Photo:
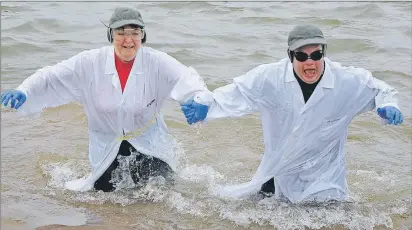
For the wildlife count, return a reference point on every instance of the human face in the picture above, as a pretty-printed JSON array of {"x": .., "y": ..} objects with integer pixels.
[
  {"x": 309, "y": 70},
  {"x": 127, "y": 41}
]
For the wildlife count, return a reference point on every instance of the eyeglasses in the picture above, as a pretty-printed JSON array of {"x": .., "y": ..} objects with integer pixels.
[
  {"x": 135, "y": 34},
  {"x": 302, "y": 57}
]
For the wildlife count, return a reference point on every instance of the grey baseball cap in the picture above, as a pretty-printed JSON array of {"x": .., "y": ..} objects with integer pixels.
[
  {"x": 125, "y": 16},
  {"x": 303, "y": 35}
]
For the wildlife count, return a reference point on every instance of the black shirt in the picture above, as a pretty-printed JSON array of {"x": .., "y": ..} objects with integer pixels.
[{"x": 307, "y": 89}]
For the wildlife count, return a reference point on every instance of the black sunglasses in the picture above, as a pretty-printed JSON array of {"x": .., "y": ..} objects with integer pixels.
[{"x": 301, "y": 56}]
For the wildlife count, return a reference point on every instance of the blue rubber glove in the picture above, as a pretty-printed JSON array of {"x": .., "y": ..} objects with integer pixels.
[
  {"x": 391, "y": 114},
  {"x": 194, "y": 111},
  {"x": 13, "y": 95}
]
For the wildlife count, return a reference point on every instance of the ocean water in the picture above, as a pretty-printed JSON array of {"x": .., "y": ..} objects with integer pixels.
[{"x": 221, "y": 40}]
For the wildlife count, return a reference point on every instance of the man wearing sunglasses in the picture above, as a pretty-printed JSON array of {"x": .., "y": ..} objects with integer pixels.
[{"x": 306, "y": 103}]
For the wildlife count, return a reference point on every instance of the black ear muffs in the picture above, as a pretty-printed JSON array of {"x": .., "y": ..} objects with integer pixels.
[
  {"x": 110, "y": 35},
  {"x": 144, "y": 35},
  {"x": 290, "y": 55},
  {"x": 324, "y": 50}
]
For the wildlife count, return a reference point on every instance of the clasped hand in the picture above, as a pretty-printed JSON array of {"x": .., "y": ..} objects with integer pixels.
[{"x": 194, "y": 111}]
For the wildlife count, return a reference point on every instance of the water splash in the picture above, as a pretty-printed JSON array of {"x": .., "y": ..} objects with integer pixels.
[
  {"x": 155, "y": 190},
  {"x": 127, "y": 191},
  {"x": 203, "y": 173},
  {"x": 122, "y": 175},
  {"x": 358, "y": 213},
  {"x": 190, "y": 195}
]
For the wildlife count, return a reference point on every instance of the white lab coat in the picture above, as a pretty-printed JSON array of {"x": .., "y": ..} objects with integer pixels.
[
  {"x": 304, "y": 143},
  {"x": 90, "y": 78}
]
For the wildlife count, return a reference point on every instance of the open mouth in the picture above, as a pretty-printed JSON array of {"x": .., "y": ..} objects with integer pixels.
[
  {"x": 128, "y": 47},
  {"x": 309, "y": 71}
]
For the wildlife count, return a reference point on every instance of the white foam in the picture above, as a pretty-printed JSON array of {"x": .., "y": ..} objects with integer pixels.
[
  {"x": 186, "y": 205},
  {"x": 60, "y": 172},
  {"x": 359, "y": 214},
  {"x": 202, "y": 173}
]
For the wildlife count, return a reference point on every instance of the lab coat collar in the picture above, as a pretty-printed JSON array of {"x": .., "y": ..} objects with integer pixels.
[
  {"x": 327, "y": 81},
  {"x": 290, "y": 77}
]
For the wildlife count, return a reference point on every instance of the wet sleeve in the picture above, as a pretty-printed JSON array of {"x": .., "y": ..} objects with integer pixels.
[
  {"x": 52, "y": 86},
  {"x": 241, "y": 97},
  {"x": 182, "y": 82},
  {"x": 385, "y": 95}
]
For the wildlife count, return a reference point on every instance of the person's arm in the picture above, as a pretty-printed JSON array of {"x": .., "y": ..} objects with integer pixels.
[
  {"x": 385, "y": 99},
  {"x": 239, "y": 98},
  {"x": 52, "y": 86},
  {"x": 183, "y": 82}
]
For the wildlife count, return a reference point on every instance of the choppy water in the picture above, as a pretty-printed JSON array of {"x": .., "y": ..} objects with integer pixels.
[{"x": 221, "y": 40}]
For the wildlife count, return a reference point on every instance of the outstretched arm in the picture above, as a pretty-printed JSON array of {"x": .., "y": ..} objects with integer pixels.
[
  {"x": 50, "y": 86},
  {"x": 385, "y": 100},
  {"x": 183, "y": 82},
  {"x": 234, "y": 100}
]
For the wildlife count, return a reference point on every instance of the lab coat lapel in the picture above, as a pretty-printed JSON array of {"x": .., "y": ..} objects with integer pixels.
[
  {"x": 290, "y": 79},
  {"x": 110, "y": 70},
  {"x": 328, "y": 81}
]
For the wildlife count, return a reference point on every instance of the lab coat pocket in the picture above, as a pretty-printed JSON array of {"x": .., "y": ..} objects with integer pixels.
[
  {"x": 146, "y": 113},
  {"x": 150, "y": 110},
  {"x": 331, "y": 128}
]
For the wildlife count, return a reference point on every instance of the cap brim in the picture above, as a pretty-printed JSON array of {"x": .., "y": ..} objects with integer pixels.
[
  {"x": 298, "y": 44},
  {"x": 126, "y": 22}
]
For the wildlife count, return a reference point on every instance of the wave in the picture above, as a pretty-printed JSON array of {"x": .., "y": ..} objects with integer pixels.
[
  {"x": 350, "y": 45},
  {"x": 15, "y": 8},
  {"x": 326, "y": 21},
  {"x": 362, "y": 10},
  {"x": 170, "y": 46},
  {"x": 11, "y": 47},
  {"x": 184, "y": 53},
  {"x": 179, "y": 6},
  {"x": 259, "y": 20},
  {"x": 43, "y": 25},
  {"x": 392, "y": 73}
]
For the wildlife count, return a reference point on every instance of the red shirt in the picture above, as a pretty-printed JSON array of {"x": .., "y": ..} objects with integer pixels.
[{"x": 123, "y": 70}]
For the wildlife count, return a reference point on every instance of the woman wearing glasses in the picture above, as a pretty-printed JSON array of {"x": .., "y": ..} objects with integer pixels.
[
  {"x": 306, "y": 102},
  {"x": 122, "y": 88}
]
